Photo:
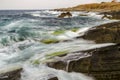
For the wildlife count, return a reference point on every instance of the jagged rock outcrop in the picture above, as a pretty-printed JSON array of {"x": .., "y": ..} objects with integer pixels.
[
  {"x": 13, "y": 74},
  {"x": 63, "y": 15},
  {"x": 106, "y": 33},
  {"x": 112, "y": 14},
  {"x": 103, "y": 64}
]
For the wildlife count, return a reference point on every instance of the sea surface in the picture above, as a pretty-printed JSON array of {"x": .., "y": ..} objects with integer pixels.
[{"x": 22, "y": 33}]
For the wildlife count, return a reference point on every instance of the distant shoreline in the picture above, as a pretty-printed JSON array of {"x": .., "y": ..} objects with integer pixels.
[
  {"x": 106, "y": 8},
  {"x": 94, "y": 7}
]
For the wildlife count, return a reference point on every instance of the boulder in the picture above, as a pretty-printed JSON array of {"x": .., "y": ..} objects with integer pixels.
[
  {"x": 13, "y": 73},
  {"x": 63, "y": 15},
  {"x": 106, "y": 33},
  {"x": 103, "y": 64}
]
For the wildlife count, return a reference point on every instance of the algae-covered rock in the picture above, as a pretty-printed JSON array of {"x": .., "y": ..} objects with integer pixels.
[
  {"x": 49, "y": 41},
  {"x": 59, "y": 53},
  {"x": 74, "y": 29},
  {"x": 106, "y": 33},
  {"x": 35, "y": 62},
  {"x": 58, "y": 32},
  {"x": 49, "y": 57}
]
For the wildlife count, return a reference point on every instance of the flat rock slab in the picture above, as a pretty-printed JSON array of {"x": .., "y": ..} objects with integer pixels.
[{"x": 103, "y": 64}]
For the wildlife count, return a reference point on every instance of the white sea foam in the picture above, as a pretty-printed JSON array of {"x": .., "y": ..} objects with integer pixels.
[
  {"x": 94, "y": 14},
  {"x": 36, "y": 15},
  {"x": 67, "y": 35},
  {"x": 44, "y": 73}
]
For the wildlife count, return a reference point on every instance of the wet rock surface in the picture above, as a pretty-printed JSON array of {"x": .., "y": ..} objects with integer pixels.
[
  {"x": 103, "y": 64},
  {"x": 11, "y": 75},
  {"x": 54, "y": 78},
  {"x": 63, "y": 15},
  {"x": 107, "y": 33},
  {"x": 113, "y": 14}
]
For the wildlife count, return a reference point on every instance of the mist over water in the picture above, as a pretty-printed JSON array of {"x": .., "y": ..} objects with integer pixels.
[{"x": 21, "y": 33}]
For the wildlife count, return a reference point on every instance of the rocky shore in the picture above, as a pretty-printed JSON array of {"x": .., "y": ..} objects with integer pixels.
[
  {"x": 106, "y": 33},
  {"x": 102, "y": 63}
]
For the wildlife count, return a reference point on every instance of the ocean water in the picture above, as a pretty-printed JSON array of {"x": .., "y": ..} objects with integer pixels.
[{"x": 21, "y": 32}]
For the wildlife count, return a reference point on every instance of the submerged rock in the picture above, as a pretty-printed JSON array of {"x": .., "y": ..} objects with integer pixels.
[
  {"x": 106, "y": 33},
  {"x": 12, "y": 74},
  {"x": 103, "y": 64}
]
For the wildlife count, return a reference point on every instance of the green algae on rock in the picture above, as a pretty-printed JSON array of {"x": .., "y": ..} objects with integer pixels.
[
  {"x": 58, "y": 32},
  {"x": 49, "y": 41},
  {"x": 49, "y": 57},
  {"x": 59, "y": 53},
  {"x": 35, "y": 62},
  {"x": 74, "y": 29}
]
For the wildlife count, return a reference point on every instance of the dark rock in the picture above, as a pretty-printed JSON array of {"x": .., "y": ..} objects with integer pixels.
[
  {"x": 11, "y": 75},
  {"x": 54, "y": 78},
  {"x": 58, "y": 65},
  {"x": 107, "y": 33},
  {"x": 107, "y": 16},
  {"x": 113, "y": 14},
  {"x": 103, "y": 64},
  {"x": 67, "y": 14}
]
